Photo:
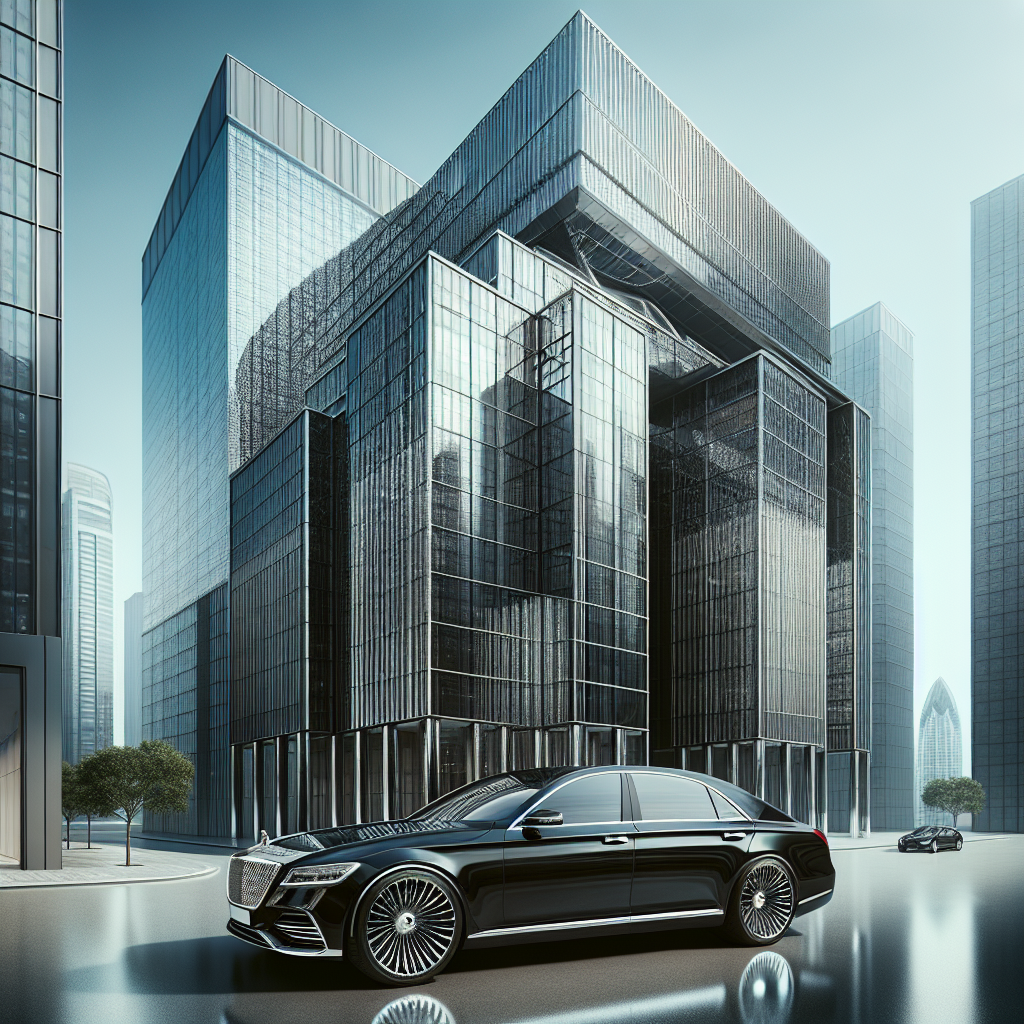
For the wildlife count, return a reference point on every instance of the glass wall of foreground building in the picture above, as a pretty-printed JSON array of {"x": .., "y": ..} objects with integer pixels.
[
  {"x": 997, "y": 523},
  {"x": 88, "y": 565},
  {"x": 31, "y": 290},
  {"x": 939, "y": 749},
  {"x": 266, "y": 193},
  {"x": 873, "y": 362},
  {"x": 133, "y": 670},
  {"x": 496, "y": 556}
]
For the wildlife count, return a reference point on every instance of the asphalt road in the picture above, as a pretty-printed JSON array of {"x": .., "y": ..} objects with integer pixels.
[{"x": 906, "y": 938}]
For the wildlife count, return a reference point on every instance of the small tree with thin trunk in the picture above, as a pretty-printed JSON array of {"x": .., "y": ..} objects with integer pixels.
[
  {"x": 70, "y": 795},
  {"x": 124, "y": 780},
  {"x": 954, "y": 796}
]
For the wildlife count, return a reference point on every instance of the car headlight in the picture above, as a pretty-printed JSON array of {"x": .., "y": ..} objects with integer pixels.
[{"x": 318, "y": 874}]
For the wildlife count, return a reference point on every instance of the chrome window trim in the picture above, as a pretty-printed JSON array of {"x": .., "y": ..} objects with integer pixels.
[
  {"x": 711, "y": 789},
  {"x": 611, "y": 770},
  {"x": 597, "y": 922}
]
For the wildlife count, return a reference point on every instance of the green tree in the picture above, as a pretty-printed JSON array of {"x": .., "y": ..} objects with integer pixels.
[
  {"x": 954, "y": 796},
  {"x": 124, "y": 780},
  {"x": 71, "y": 796}
]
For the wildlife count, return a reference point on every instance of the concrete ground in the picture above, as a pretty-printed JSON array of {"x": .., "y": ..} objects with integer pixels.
[
  {"x": 104, "y": 864},
  {"x": 906, "y": 938}
]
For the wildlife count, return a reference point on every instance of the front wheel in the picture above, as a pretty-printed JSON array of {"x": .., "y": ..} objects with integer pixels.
[
  {"x": 407, "y": 928},
  {"x": 959, "y": 843},
  {"x": 935, "y": 846},
  {"x": 762, "y": 903}
]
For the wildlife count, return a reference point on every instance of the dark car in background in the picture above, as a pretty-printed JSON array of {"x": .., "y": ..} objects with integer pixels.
[
  {"x": 931, "y": 838},
  {"x": 532, "y": 855}
]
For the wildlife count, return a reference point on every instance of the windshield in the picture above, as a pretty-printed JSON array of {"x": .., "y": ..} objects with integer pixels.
[
  {"x": 494, "y": 799},
  {"x": 926, "y": 831}
]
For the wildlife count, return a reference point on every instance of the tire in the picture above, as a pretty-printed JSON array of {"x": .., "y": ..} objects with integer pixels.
[
  {"x": 406, "y": 928},
  {"x": 959, "y": 843},
  {"x": 762, "y": 903},
  {"x": 934, "y": 848}
]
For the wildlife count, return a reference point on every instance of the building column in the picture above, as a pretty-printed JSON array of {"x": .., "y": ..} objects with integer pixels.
[
  {"x": 854, "y": 793},
  {"x": 787, "y": 777}
]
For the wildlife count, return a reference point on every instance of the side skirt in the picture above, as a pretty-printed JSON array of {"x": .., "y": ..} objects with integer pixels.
[{"x": 596, "y": 928}]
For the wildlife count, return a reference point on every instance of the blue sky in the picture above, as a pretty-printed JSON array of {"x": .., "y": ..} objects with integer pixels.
[{"x": 871, "y": 126}]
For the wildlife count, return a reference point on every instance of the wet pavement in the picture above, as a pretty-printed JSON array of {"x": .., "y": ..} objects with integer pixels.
[{"x": 907, "y": 938}]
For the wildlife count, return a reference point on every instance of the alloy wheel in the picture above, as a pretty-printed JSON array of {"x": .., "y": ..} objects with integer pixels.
[
  {"x": 959, "y": 843},
  {"x": 935, "y": 846},
  {"x": 410, "y": 926},
  {"x": 766, "y": 901}
]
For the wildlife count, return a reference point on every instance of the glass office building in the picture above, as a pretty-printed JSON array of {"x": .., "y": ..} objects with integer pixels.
[
  {"x": 544, "y": 468},
  {"x": 939, "y": 749},
  {"x": 266, "y": 192},
  {"x": 87, "y": 550},
  {"x": 31, "y": 223},
  {"x": 997, "y": 500},
  {"x": 133, "y": 670},
  {"x": 873, "y": 362}
]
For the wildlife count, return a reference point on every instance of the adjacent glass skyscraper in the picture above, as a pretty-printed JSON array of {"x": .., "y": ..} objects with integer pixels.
[
  {"x": 133, "y": 670},
  {"x": 939, "y": 749},
  {"x": 265, "y": 194},
  {"x": 873, "y": 362},
  {"x": 31, "y": 222},
  {"x": 997, "y": 505},
  {"x": 544, "y": 467},
  {"x": 88, "y": 607}
]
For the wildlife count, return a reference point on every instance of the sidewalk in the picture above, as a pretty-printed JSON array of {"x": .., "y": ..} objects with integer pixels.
[
  {"x": 882, "y": 840},
  {"x": 104, "y": 865}
]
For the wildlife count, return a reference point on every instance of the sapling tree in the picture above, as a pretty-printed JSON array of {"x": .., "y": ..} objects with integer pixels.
[{"x": 124, "y": 780}]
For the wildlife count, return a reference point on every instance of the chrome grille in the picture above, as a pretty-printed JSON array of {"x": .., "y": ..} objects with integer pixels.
[
  {"x": 299, "y": 929},
  {"x": 249, "y": 880}
]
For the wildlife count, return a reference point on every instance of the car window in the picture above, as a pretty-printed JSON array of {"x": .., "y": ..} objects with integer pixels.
[
  {"x": 594, "y": 798},
  {"x": 727, "y": 811},
  {"x": 667, "y": 797}
]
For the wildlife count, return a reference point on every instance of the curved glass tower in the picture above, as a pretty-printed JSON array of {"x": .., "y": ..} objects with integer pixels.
[{"x": 939, "y": 748}]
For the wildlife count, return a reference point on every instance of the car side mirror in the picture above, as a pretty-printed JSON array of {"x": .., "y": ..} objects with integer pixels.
[{"x": 543, "y": 817}]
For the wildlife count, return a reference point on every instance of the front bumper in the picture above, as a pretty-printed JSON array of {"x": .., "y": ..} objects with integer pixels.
[{"x": 295, "y": 932}]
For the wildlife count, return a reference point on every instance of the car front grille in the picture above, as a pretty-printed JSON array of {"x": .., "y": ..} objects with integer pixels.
[
  {"x": 298, "y": 930},
  {"x": 249, "y": 880}
]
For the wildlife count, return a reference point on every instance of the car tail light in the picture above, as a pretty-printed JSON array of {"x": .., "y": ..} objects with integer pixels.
[{"x": 821, "y": 835}]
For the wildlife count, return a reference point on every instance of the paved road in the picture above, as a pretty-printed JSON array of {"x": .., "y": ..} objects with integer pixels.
[{"x": 907, "y": 938}]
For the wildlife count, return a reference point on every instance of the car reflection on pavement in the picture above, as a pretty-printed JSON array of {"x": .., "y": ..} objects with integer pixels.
[{"x": 766, "y": 993}]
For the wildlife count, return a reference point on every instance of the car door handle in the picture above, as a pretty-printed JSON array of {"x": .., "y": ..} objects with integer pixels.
[
  {"x": 734, "y": 835},
  {"x": 615, "y": 840}
]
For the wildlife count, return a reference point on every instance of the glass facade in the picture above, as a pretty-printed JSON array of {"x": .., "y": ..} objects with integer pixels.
[
  {"x": 997, "y": 524},
  {"x": 266, "y": 193},
  {"x": 873, "y": 362},
  {"x": 87, "y": 560},
  {"x": 133, "y": 670},
  {"x": 31, "y": 289},
  {"x": 576, "y": 482},
  {"x": 939, "y": 750}
]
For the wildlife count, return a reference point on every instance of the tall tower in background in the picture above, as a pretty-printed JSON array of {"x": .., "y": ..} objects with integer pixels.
[
  {"x": 997, "y": 525},
  {"x": 88, "y": 562},
  {"x": 266, "y": 193},
  {"x": 873, "y": 362},
  {"x": 939, "y": 749},
  {"x": 31, "y": 221},
  {"x": 133, "y": 670}
]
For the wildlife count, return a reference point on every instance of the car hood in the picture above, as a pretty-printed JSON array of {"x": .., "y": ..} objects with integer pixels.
[{"x": 374, "y": 832}]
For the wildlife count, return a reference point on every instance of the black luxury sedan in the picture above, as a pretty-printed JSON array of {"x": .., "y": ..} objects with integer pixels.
[
  {"x": 532, "y": 855},
  {"x": 931, "y": 838}
]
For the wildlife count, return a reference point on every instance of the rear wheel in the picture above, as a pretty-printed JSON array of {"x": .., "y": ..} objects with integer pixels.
[
  {"x": 407, "y": 928},
  {"x": 959, "y": 842},
  {"x": 762, "y": 903}
]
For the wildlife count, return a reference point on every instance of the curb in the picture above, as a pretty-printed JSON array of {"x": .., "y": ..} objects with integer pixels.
[{"x": 205, "y": 870}]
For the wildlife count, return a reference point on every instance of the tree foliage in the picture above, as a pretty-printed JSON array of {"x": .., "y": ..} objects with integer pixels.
[
  {"x": 124, "y": 780},
  {"x": 954, "y": 796}
]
